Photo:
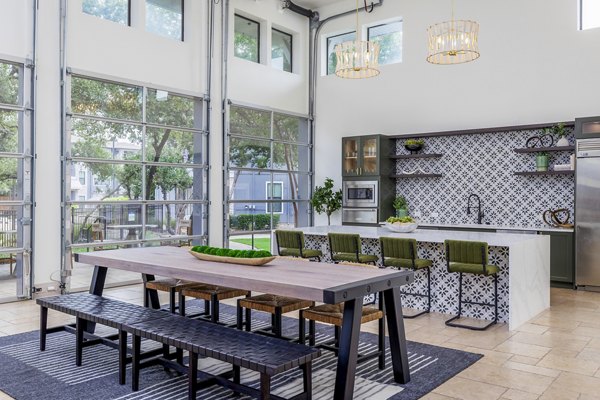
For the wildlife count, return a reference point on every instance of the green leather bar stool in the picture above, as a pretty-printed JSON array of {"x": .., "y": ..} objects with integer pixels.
[
  {"x": 291, "y": 244},
  {"x": 346, "y": 247},
  {"x": 466, "y": 257},
  {"x": 402, "y": 253}
]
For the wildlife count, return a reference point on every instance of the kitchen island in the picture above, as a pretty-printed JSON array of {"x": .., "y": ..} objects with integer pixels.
[{"x": 523, "y": 281}]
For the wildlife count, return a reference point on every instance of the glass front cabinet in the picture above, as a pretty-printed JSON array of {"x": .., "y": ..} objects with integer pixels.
[{"x": 361, "y": 156}]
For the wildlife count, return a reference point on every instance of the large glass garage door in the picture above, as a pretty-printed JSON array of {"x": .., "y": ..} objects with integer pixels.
[
  {"x": 15, "y": 181},
  {"x": 135, "y": 172}
]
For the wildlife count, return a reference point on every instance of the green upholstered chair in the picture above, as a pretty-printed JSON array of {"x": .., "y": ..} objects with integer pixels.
[
  {"x": 466, "y": 257},
  {"x": 291, "y": 244},
  {"x": 346, "y": 247},
  {"x": 402, "y": 253}
]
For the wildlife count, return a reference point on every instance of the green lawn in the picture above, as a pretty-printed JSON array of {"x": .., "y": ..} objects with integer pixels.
[{"x": 259, "y": 243}]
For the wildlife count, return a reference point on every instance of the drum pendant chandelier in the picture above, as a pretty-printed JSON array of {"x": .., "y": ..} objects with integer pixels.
[
  {"x": 453, "y": 42},
  {"x": 357, "y": 59}
]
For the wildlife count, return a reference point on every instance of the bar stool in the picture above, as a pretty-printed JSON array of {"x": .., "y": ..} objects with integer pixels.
[
  {"x": 272, "y": 304},
  {"x": 291, "y": 244},
  {"x": 172, "y": 286},
  {"x": 466, "y": 257},
  {"x": 402, "y": 253},
  {"x": 333, "y": 314},
  {"x": 347, "y": 247},
  {"x": 211, "y": 294}
]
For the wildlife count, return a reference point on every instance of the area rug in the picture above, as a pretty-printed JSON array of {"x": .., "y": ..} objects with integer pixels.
[{"x": 27, "y": 373}]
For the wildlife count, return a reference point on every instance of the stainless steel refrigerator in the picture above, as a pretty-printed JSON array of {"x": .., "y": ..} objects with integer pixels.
[{"x": 587, "y": 203}]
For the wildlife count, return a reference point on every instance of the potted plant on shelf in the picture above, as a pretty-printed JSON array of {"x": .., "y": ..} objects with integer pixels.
[
  {"x": 541, "y": 161},
  {"x": 414, "y": 145},
  {"x": 325, "y": 200},
  {"x": 561, "y": 133},
  {"x": 401, "y": 206}
]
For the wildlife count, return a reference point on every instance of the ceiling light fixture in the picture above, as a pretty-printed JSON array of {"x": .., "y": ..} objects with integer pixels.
[
  {"x": 453, "y": 42},
  {"x": 357, "y": 59}
]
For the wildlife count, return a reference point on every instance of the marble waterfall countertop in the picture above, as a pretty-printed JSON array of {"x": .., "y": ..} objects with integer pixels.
[
  {"x": 428, "y": 235},
  {"x": 498, "y": 227}
]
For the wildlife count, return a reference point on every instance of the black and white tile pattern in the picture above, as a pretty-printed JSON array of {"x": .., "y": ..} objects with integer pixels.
[
  {"x": 444, "y": 285},
  {"x": 484, "y": 164}
]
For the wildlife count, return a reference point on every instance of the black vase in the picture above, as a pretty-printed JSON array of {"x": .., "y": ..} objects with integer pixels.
[{"x": 413, "y": 148}]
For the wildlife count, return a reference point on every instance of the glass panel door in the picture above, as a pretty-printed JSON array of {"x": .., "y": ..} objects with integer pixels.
[
  {"x": 350, "y": 157},
  {"x": 369, "y": 155}
]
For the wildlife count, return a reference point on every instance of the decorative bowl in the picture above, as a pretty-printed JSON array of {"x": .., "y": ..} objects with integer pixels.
[
  {"x": 400, "y": 227},
  {"x": 413, "y": 148},
  {"x": 257, "y": 262}
]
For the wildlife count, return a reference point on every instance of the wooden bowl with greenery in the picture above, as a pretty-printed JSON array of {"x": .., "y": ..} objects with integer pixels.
[{"x": 244, "y": 257}]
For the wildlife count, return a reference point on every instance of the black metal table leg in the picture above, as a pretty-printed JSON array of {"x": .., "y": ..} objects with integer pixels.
[
  {"x": 122, "y": 356},
  {"x": 151, "y": 294},
  {"x": 393, "y": 308},
  {"x": 348, "y": 351},
  {"x": 97, "y": 288}
]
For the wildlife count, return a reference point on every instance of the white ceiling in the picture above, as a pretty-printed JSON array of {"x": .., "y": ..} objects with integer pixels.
[{"x": 314, "y": 3}]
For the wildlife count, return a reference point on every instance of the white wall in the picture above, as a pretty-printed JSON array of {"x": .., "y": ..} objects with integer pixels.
[{"x": 535, "y": 67}]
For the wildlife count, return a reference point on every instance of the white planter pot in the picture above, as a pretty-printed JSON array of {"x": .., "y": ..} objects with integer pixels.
[{"x": 562, "y": 142}]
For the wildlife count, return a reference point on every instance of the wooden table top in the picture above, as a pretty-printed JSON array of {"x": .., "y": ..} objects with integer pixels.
[{"x": 323, "y": 282}]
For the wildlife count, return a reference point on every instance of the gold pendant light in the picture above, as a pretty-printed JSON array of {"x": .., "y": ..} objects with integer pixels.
[
  {"x": 357, "y": 59},
  {"x": 453, "y": 42}
]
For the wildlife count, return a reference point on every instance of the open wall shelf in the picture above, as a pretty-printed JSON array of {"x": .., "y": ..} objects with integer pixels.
[
  {"x": 409, "y": 156},
  {"x": 541, "y": 149},
  {"x": 536, "y": 173},
  {"x": 402, "y": 176}
]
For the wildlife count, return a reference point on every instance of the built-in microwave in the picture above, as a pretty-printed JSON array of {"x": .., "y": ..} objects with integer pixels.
[{"x": 360, "y": 193}]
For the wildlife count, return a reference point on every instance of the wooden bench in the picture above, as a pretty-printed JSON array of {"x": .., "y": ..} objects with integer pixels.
[
  {"x": 267, "y": 355},
  {"x": 89, "y": 309}
]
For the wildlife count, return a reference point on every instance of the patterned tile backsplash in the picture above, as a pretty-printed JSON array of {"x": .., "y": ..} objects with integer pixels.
[{"x": 484, "y": 164}]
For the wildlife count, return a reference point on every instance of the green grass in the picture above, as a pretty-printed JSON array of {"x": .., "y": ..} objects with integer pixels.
[{"x": 259, "y": 243}]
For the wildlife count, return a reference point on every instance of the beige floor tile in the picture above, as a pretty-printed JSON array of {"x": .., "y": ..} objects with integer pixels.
[
  {"x": 593, "y": 332},
  {"x": 553, "y": 339},
  {"x": 533, "y": 328},
  {"x": 552, "y": 373},
  {"x": 435, "y": 396},
  {"x": 506, "y": 377},
  {"x": 525, "y": 359},
  {"x": 579, "y": 366},
  {"x": 4, "y": 396},
  {"x": 512, "y": 394},
  {"x": 583, "y": 384},
  {"x": 490, "y": 356},
  {"x": 467, "y": 389},
  {"x": 589, "y": 353},
  {"x": 523, "y": 349},
  {"x": 483, "y": 340},
  {"x": 559, "y": 393}
]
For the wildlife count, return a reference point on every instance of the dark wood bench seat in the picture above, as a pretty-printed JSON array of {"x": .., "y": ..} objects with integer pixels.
[{"x": 267, "y": 355}]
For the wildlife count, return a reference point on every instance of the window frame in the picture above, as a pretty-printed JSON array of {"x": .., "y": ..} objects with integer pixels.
[
  {"x": 580, "y": 19},
  {"x": 291, "y": 36},
  {"x": 182, "y": 37},
  {"x": 388, "y": 22},
  {"x": 269, "y": 205},
  {"x": 110, "y": 20},
  {"x": 258, "y": 44},
  {"x": 327, "y": 40}
]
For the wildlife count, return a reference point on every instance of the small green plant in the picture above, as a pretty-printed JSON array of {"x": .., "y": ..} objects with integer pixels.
[
  {"x": 414, "y": 142},
  {"x": 559, "y": 130},
  {"x": 400, "y": 203},
  {"x": 217, "y": 251},
  {"x": 325, "y": 200},
  {"x": 402, "y": 220}
]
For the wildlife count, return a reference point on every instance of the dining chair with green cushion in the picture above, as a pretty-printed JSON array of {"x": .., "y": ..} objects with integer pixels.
[
  {"x": 468, "y": 257},
  {"x": 347, "y": 247},
  {"x": 402, "y": 253},
  {"x": 291, "y": 244}
]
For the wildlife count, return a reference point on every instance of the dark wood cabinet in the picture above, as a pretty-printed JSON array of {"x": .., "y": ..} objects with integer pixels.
[
  {"x": 362, "y": 156},
  {"x": 562, "y": 257}
]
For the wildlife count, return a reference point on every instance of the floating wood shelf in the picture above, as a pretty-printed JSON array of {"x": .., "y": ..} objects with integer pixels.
[
  {"x": 401, "y": 176},
  {"x": 408, "y": 156},
  {"x": 535, "y": 173},
  {"x": 541, "y": 149}
]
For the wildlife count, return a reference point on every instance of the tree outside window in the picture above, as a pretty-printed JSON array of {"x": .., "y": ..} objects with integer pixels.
[
  {"x": 111, "y": 10},
  {"x": 389, "y": 37},
  {"x": 333, "y": 41},
  {"x": 246, "y": 42}
]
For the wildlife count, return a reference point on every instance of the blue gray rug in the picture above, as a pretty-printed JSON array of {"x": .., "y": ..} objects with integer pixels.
[{"x": 27, "y": 373}]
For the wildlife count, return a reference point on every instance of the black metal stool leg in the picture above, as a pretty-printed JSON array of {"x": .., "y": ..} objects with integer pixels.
[
  {"x": 43, "y": 327},
  {"x": 277, "y": 326},
  {"x": 192, "y": 376},
  {"x": 381, "y": 332},
  {"x": 240, "y": 316},
  {"x": 301, "y": 328},
  {"x": 122, "y": 356},
  {"x": 172, "y": 293},
  {"x": 311, "y": 332},
  {"x": 265, "y": 386},
  {"x": 214, "y": 308},
  {"x": 248, "y": 319},
  {"x": 181, "y": 304},
  {"x": 135, "y": 363},
  {"x": 307, "y": 379},
  {"x": 79, "y": 328}
]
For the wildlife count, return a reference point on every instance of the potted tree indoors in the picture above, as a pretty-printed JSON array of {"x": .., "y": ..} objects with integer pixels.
[
  {"x": 401, "y": 206},
  {"x": 325, "y": 200}
]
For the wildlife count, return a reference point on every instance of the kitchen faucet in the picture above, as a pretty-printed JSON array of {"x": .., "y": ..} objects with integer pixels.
[{"x": 479, "y": 212}]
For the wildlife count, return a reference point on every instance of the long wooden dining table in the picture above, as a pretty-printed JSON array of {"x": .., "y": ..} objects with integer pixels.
[{"x": 316, "y": 281}]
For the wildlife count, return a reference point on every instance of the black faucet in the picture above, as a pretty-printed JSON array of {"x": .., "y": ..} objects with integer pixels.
[{"x": 479, "y": 212}]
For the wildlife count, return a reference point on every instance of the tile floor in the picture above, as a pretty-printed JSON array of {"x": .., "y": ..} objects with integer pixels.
[{"x": 555, "y": 356}]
